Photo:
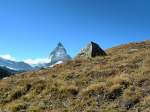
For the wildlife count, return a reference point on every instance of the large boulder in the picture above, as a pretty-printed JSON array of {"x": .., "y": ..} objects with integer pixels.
[{"x": 92, "y": 50}]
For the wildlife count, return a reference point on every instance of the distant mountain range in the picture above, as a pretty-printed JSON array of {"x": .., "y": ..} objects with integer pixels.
[
  {"x": 13, "y": 65},
  {"x": 57, "y": 56},
  {"x": 8, "y": 67},
  {"x": 6, "y": 72}
]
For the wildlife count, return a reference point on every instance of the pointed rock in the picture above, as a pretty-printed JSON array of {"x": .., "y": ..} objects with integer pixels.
[
  {"x": 59, "y": 54},
  {"x": 92, "y": 50}
]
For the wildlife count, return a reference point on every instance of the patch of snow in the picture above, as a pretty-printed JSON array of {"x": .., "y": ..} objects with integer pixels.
[
  {"x": 57, "y": 63},
  {"x": 11, "y": 68},
  {"x": 5, "y": 78}
]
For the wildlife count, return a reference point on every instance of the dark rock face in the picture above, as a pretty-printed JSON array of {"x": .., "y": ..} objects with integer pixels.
[
  {"x": 92, "y": 50},
  {"x": 5, "y": 72}
]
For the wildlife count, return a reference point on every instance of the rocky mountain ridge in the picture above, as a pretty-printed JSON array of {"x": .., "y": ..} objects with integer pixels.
[{"x": 17, "y": 66}]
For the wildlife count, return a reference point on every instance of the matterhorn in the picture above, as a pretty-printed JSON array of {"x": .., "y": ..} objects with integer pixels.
[{"x": 59, "y": 55}]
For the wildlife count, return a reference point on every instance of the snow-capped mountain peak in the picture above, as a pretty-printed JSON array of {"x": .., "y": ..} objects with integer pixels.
[{"x": 59, "y": 54}]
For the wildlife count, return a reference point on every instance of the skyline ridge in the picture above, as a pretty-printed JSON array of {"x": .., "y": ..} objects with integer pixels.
[
  {"x": 41, "y": 60},
  {"x": 29, "y": 26}
]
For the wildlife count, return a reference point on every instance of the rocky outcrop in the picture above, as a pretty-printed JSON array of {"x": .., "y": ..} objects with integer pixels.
[{"x": 92, "y": 50}]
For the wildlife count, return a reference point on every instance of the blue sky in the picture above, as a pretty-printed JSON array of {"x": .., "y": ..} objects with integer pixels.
[{"x": 31, "y": 29}]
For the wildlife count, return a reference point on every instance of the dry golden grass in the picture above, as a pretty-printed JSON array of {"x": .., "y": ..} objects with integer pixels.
[{"x": 119, "y": 82}]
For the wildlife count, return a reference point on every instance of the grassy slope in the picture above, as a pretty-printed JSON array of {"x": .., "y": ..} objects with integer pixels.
[{"x": 119, "y": 82}]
